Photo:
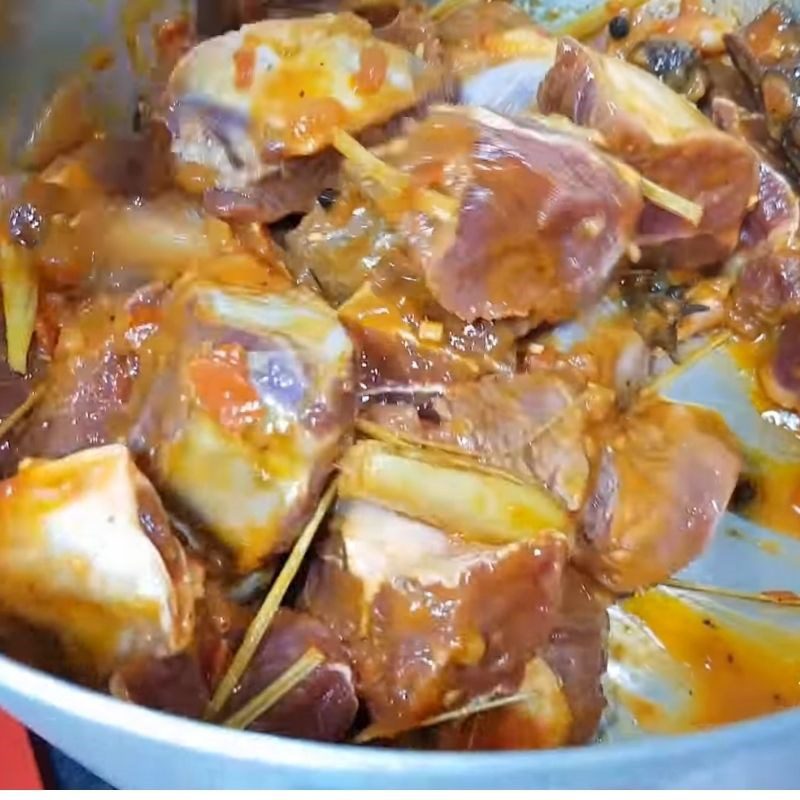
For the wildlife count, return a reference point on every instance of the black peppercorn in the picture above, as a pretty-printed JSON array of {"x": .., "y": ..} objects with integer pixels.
[
  {"x": 619, "y": 27},
  {"x": 327, "y": 197}
]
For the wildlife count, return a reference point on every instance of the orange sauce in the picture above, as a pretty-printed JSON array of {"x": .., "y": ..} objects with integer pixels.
[
  {"x": 735, "y": 674},
  {"x": 777, "y": 501},
  {"x": 750, "y": 356},
  {"x": 223, "y": 389}
]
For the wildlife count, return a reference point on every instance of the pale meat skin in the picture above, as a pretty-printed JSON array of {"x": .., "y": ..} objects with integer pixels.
[
  {"x": 87, "y": 552},
  {"x": 239, "y": 103},
  {"x": 248, "y": 413},
  {"x": 662, "y": 481},
  {"x": 667, "y": 140},
  {"x": 422, "y": 613}
]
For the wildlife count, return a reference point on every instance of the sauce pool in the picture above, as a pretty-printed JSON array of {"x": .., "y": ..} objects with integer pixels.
[{"x": 734, "y": 674}]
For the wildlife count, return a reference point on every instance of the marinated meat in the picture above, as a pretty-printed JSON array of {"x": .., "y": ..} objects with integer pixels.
[
  {"x": 473, "y": 179},
  {"x": 404, "y": 337},
  {"x": 248, "y": 413},
  {"x": 321, "y": 707},
  {"x": 324, "y": 705},
  {"x": 767, "y": 51},
  {"x": 667, "y": 140},
  {"x": 103, "y": 571},
  {"x": 577, "y": 651},
  {"x": 104, "y": 354},
  {"x": 244, "y": 106},
  {"x": 565, "y": 684},
  {"x": 174, "y": 684},
  {"x": 432, "y": 621},
  {"x": 342, "y": 242},
  {"x": 776, "y": 216},
  {"x": 767, "y": 290},
  {"x": 541, "y": 718},
  {"x": 780, "y": 377},
  {"x": 661, "y": 483},
  {"x": 533, "y": 426}
]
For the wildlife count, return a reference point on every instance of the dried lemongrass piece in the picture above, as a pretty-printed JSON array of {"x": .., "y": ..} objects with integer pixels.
[
  {"x": 442, "y": 453},
  {"x": 276, "y": 691},
  {"x": 374, "y": 430},
  {"x": 669, "y": 201},
  {"x": 436, "y": 204},
  {"x": 373, "y": 732},
  {"x": 392, "y": 180},
  {"x": 595, "y": 18},
  {"x": 774, "y": 598},
  {"x": 20, "y": 297},
  {"x": 258, "y": 627},
  {"x": 422, "y": 485},
  {"x": 20, "y": 411}
]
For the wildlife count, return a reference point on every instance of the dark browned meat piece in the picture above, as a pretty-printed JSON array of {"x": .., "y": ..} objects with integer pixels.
[
  {"x": 767, "y": 51},
  {"x": 767, "y": 290},
  {"x": 781, "y": 376},
  {"x": 432, "y": 621},
  {"x": 324, "y": 705},
  {"x": 533, "y": 426},
  {"x": 661, "y": 484},
  {"x": 666, "y": 139},
  {"x": 295, "y": 188}
]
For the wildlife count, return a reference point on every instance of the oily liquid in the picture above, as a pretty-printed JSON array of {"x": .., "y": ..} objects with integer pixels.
[
  {"x": 734, "y": 674},
  {"x": 776, "y": 504}
]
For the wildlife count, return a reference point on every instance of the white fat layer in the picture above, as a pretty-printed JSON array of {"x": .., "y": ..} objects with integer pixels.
[
  {"x": 88, "y": 545},
  {"x": 382, "y": 545}
]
